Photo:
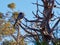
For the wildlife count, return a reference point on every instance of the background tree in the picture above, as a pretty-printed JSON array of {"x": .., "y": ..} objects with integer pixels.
[{"x": 7, "y": 27}]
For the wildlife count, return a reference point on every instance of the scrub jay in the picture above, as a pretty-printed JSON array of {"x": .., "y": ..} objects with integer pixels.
[{"x": 20, "y": 16}]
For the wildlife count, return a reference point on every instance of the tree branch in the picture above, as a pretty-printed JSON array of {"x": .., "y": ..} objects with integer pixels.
[
  {"x": 31, "y": 28},
  {"x": 55, "y": 26},
  {"x": 13, "y": 37}
]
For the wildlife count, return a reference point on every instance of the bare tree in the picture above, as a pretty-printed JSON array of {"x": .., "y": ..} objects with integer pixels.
[{"x": 40, "y": 26}]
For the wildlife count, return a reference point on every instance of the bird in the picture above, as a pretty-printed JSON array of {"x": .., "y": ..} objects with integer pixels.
[{"x": 19, "y": 18}]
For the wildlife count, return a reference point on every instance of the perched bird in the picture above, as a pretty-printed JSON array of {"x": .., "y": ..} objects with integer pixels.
[{"x": 20, "y": 16}]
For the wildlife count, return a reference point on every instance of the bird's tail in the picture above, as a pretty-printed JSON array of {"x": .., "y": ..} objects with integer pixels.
[{"x": 15, "y": 24}]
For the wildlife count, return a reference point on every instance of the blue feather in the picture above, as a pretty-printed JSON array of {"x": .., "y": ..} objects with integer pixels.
[{"x": 20, "y": 16}]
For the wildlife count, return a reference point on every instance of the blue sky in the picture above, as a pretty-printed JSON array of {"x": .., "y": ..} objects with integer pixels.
[
  {"x": 25, "y": 6},
  {"x": 21, "y": 5}
]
